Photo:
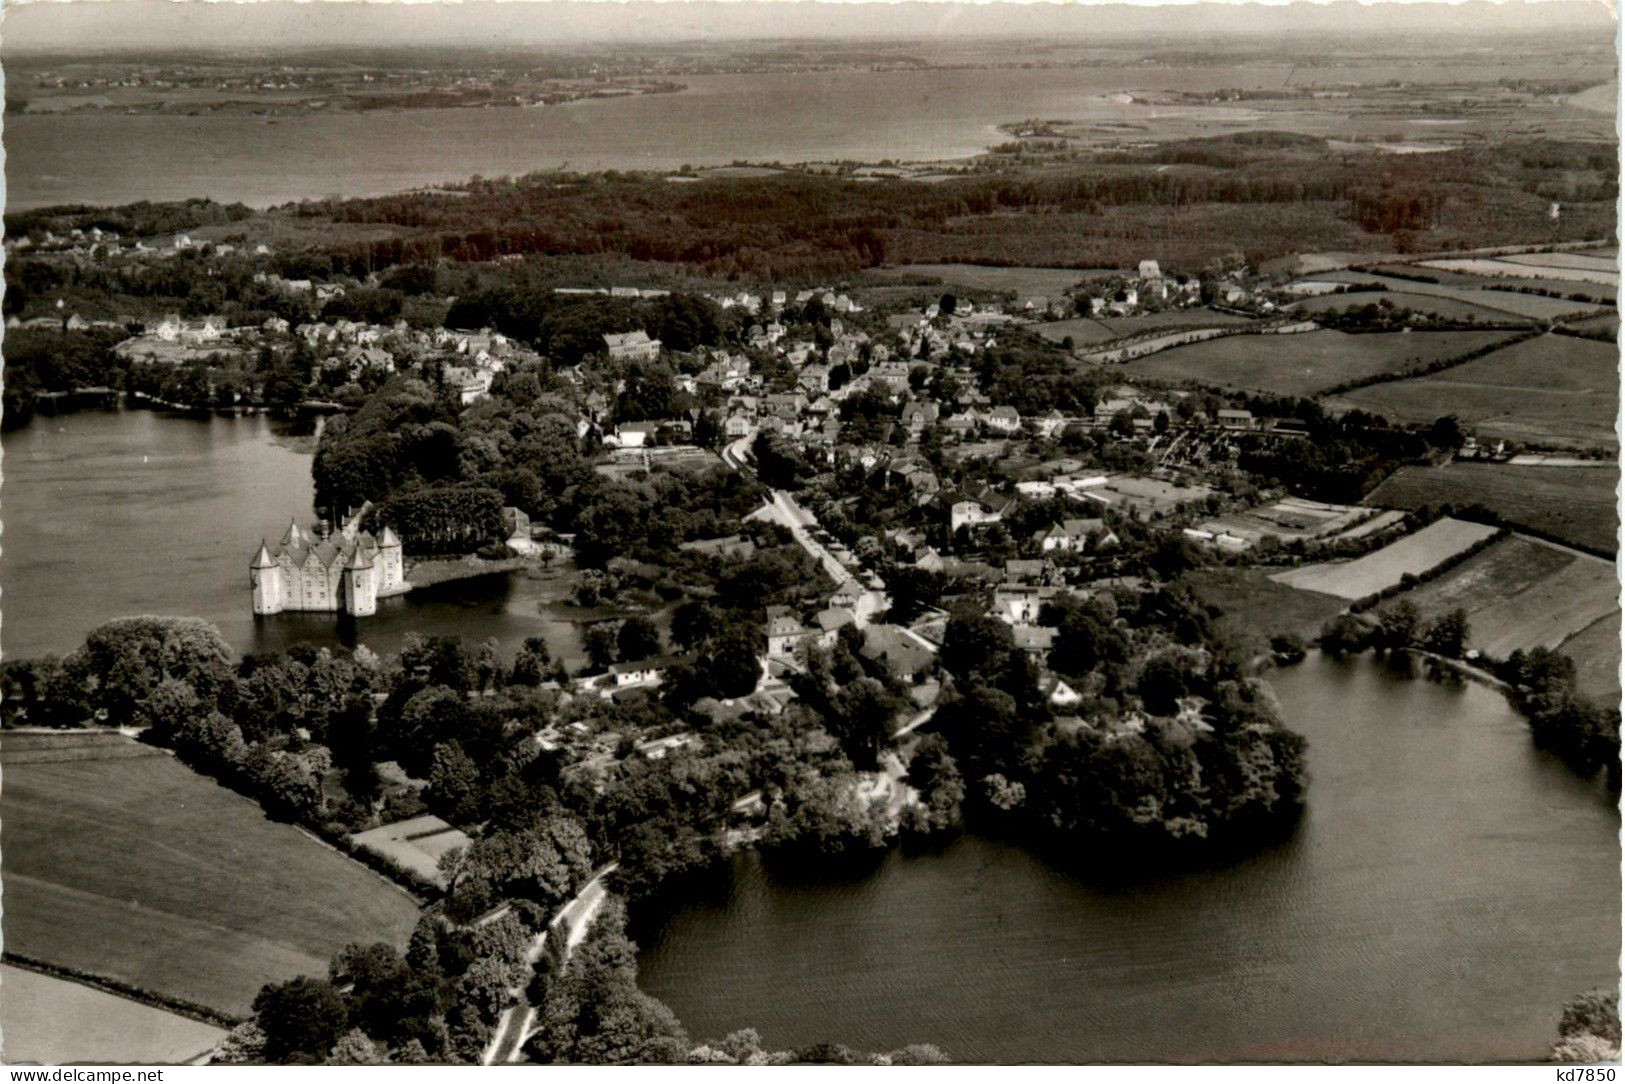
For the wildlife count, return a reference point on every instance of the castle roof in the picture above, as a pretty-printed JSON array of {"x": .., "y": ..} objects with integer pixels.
[
  {"x": 358, "y": 560},
  {"x": 262, "y": 559},
  {"x": 389, "y": 538},
  {"x": 293, "y": 536}
]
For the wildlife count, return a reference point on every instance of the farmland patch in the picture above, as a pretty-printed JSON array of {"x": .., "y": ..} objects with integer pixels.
[
  {"x": 1411, "y": 555},
  {"x": 53, "y": 1022},
  {"x": 1307, "y": 363},
  {"x": 137, "y": 869},
  {"x": 1570, "y": 504},
  {"x": 1553, "y": 389}
]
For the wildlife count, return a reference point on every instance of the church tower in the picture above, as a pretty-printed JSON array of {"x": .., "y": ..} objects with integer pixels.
[
  {"x": 360, "y": 589},
  {"x": 265, "y": 576}
]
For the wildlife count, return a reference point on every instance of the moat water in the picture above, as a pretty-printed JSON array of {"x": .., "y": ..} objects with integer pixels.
[
  {"x": 116, "y": 513},
  {"x": 1449, "y": 888}
]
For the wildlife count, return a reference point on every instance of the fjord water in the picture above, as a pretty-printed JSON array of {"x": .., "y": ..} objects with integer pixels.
[
  {"x": 1449, "y": 888},
  {"x": 867, "y": 116},
  {"x": 116, "y": 513}
]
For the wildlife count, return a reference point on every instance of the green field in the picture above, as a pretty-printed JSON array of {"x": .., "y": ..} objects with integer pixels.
[
  {"x": 1596, "y": 654},
  {"x": 1594, "y": 292},
  {"x": 1377, "y": 571},
  {"x": 1572, "y": 504},
  {"x": 1090, "y": 331},
  {"x": 1469, "y": 290},
  {"x": 54, "y": 1022},
  {"x": 1523, "y": 593},
  {"x": 1083, "y": 331},
  {"x": 123, "y": 863},
  {"x": 1308, "y": 362},
  {"x": 1553, "y": 390},
  {"x": 1024, "y": 282},
  {"x": 1255, "y": 607},
  {"x": 1448, "y": 308}
]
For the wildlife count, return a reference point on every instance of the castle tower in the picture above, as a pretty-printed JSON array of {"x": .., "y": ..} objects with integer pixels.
[
  {"x": 360, "y": 589},
  {"x": 390, "y": 562},
  {"x": 294, "y": 536},
  {"x": 265, "y": 577}
]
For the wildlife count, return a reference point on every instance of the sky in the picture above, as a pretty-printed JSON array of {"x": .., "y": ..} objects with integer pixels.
[{"x": 144, "y": 24}]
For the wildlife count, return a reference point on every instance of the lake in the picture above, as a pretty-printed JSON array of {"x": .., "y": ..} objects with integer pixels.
[
  {"x": 116, "y": 513},
  {"x": 1449, "y": 889},
  {"x": 868, "y": 116}
]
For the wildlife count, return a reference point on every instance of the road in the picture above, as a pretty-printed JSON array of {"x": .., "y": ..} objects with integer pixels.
[
  {"x": 785, "y": 510},
  {"x": 518, "y": 1021}
]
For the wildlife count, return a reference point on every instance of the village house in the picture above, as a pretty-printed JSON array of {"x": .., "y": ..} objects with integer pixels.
[
  {"x": 1003, "y": 419},
  {"x": 831, "y": 621},
  {"x": 1035, "y": 640},
  {"x": 1236, "y": 419},
  {"x": 1073, "y": 535},
  {"x": 642, "y": 673},
  {"x": 987, "y": 507},
  {"x": 785, "y": 634},
  {"x": 916, "y": 416},
  {"x": 903, "y": 652},
  {"x": 632, "y": 346},
  {"x": 815, "y": 379}
]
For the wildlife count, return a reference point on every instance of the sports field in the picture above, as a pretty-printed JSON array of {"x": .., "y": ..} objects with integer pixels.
[
  {"x": 1553, "y": 390},
  {"x": 53, "y": 1021},
  {"x": 123, "y": 863},
  {"x": 1413, "y": 555},
  {"x": 1571, "y": 504},
  {"x": 1309, "y": 362}
]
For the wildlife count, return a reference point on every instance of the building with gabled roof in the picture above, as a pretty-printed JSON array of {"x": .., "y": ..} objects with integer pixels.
[
  {"x": 306, "y": 571},
  {"x": 632, "y": 346}
]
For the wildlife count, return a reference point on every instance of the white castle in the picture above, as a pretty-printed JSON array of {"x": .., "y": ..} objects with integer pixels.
[{"x": 349, "y": 573}]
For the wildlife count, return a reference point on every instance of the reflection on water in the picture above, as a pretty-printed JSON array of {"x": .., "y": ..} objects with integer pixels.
[
  {"x": 1449, "y": 889},
  {"x": 114, "y": 513}
]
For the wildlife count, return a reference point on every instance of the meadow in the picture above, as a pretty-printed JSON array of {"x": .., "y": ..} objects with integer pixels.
[
  {"x": 1434, "y": 304},
  {"x": 1254, "y": 607},
  {"x": 44, "y": 1019},
  {"x": 1522, "y": 593},
  {"x": 1596, "y": 654},
  {"x": 416, "y": 844},
  {"x": 1506, "y": 268},
  {"x": 124, "y": 864},
  {"x": 1024, "y": 282},
  {"x": 1552, "y": 390},
  {"x": 1592, "y": 292},
  {"x": 1571, "y": 504},
  {"x": 1412, "y": 555},
  {"x": 1089, "y": 330},
  {"x": 1482, "y": 299},
  {"x": 1306, "y": 363}
]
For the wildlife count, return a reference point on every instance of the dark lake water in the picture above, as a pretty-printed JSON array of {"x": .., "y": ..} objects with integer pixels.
[
  {"x": 111, "y": 514},
  {"x": 1449, "y": 889}
]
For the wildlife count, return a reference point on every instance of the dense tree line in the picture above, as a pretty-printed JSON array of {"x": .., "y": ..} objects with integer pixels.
[
  {"x": 797, "y": 225},
  {"x": 1174, "y": 745}
]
